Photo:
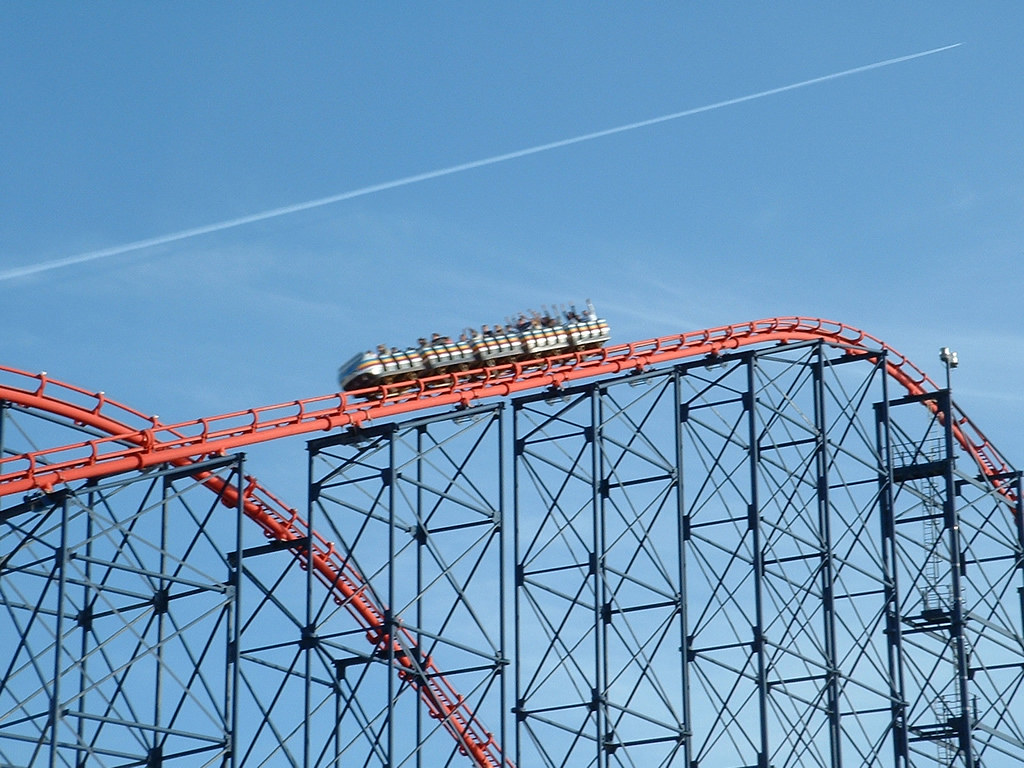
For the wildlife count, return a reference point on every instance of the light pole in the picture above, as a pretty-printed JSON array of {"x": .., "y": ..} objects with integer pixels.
[{"x": 947, "y": 356}]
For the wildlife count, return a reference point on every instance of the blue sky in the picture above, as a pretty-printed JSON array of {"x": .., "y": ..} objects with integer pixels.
[{"x": 891, "y": 199}]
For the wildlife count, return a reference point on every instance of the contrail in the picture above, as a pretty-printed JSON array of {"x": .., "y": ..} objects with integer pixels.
[{"x": 185, "y": 234}]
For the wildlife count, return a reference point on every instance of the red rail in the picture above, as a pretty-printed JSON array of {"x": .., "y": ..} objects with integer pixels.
[
  {"x": 136, "y": 441},
  {"x": 155, "y": 443}
]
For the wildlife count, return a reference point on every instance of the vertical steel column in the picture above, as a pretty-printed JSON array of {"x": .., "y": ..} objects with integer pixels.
[
  {"x": 310, "y": 637},
  {"x": 964, "y": 719},
  {"x": 421, "y": 542},
  {"x": 234, "y": 635},
  {"x": 823, "y": 461},
  {"x": 518, "y": 614},
  {"x": 757, "y": 552},
  {"x": 503, "y": 660},
  {"x": 598, "y": 693},
  {"x": 85, "y": 617},
  {"x": 61, "y": 565},
  {"x": 392, "y": 600},
  {"x": 682, "y": 539},
  {"x": 890, "y": 572},
  {"x": 160, "y": 607}
]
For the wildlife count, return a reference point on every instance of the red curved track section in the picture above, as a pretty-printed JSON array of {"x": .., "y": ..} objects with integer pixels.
[
  {"x": 135, "y": 441},
  {"x": 156, "y": 443}
]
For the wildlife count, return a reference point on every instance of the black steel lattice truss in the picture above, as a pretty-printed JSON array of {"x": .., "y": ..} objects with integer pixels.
[
  {"x": 119, "y": 624},
  {"x": 418, "y": 507},
  {"x": 760, "y": 559}
]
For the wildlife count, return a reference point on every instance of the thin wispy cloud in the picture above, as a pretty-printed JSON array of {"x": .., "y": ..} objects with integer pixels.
[{"x": 185, "y": 234}]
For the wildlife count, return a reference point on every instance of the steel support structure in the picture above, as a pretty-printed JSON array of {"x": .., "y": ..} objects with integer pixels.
[
  {"x": 147, "y": 623},
  {"x": 722, "y": 563},
  {"x": 954, "y": 612},
  {"x": 418, "y": 508},
  {"x": 119, "y": 625},
  {"x": 759, "y": 558}
]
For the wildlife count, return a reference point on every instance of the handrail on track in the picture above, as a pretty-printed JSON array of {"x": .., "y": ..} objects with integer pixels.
[{"x": 156, "y": 443}]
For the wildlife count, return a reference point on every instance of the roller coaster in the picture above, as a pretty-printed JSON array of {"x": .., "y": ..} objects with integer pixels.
[
  {"x": 531, "y": 338},
  {"x": 122, "y": 444}
]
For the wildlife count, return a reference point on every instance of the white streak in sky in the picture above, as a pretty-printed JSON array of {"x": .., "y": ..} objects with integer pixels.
[{"x": 184, "y": 234}]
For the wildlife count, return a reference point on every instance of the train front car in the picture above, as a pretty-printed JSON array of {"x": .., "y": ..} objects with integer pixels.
[
  {"x": 361, "y": 371},
  {"x": 371, "y": 369}
]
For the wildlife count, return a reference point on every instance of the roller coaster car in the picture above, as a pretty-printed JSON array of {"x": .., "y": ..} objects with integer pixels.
[{"x": 370, "y": 369}]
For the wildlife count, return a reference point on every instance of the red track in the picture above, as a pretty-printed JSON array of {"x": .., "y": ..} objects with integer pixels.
[
  {"x": 156, "y": 443},
  {"x": 137, "y": 441}
]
